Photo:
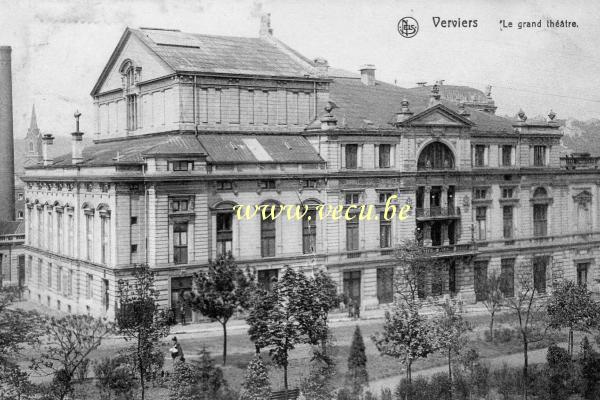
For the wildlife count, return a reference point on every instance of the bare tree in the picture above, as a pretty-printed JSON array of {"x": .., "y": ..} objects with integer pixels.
[
  {"x": 494, "y": 298},
  {"x": 529, "y": 310}
]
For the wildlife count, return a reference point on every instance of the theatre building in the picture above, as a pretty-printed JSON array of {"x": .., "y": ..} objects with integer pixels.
[{"x": 190, "y": 125}]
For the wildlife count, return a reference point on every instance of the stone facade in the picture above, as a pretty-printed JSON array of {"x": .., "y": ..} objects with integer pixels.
[{"x": 483, "y": 200}]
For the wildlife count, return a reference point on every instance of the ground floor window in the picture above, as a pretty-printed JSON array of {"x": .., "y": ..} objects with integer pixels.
[
  {"x": 267, "y": 277},
  {"x": 507, "y": 277},
  {"x": 539, "y": 274},
  {"x": 385, "y": 285},
  {"x": 352, "y": 287},
  {"x": 481, "y": 273},
  {"x": 452, "y": 277},
  {"x": 582, "y": 273},
  {"x": 181, "y": 288}
]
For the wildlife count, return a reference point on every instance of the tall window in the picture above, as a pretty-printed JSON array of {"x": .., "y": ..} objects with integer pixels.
[
  {"x": 539, "y": 274},
  {"x": 132, "y": 112},
  {"x": 69, "y": 285},
  {"x": 309, "y": 232},
  {"x": 89, "y": 280},
  {"x": 507, "y": 219},
  {"x": 481, "y": 220},
  {"x": 89, "y": 235},
  {"x": 351, "y": 156},
  {"x": 479, "y": 155},
  {"x": 224, "y": 233},
  {"x": 180, "y": 243},
  {"x": 39, "y": 272},
  {"x": 385, "y": 285},
  {"x": 507, "y": 156},
  {"x": 71, "y": 241},
  {"x": 507, "y": 277},
  {"x": 104, "y": 239},
  {"x": 384, "y": 155},
  {"x": 40, "y": 221},
  {"x": 481, "y": 273},
  {"x": 539, "y": 156},
  {"x": 59, "y": 278},
  {"x": 582, "y": 273},
  {"x": 385, "y": 231},
  {"x": 352, "y": 232},
  {"x": 59, "y": 231},
  {"x": 540, "y": 219},
  {"x": 49, "y": 275},
  {"x": 105, "y": 294},
  {"x": 50, "y": 224},
  {"x": 267, "y": 237}
]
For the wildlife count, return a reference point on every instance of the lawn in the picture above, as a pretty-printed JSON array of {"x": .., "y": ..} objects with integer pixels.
[{"x": 241, "y": 350}]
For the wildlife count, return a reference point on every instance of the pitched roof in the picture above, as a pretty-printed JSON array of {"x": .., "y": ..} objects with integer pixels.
[
  {"x": 359, "y": 106},
  {"x": 237, "y": 148},
  {"x": 12, "y": 228},
  {"x": 217, "y": 147},
  {"x": 192, "y": 52},
  {"x": 132, "y": 150}
]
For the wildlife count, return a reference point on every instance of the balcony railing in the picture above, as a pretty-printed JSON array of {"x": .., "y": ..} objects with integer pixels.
[
  {"x": 12, "y": 238},
  {"x": 434, "y": 212},
  {"x": 580, "y": 162},
  {"x": 451, "y": 248}
]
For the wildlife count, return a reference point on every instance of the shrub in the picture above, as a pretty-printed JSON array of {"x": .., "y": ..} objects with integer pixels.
[
  {"x": 345, "y": 394},
  {"x": 114, "y": 376},
  {"x": 357, "y": 375},
  {"x": 256, "y": 384},
  {"x": 501, "y": 335},
  {"x": 507, "y": 381},
  {"x": 386, "y": 394},
  {"x": 589, "y": 364},
  {"x": 440, "y": 387}
]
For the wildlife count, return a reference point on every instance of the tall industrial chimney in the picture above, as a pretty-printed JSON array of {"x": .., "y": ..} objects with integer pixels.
[{"x": 7, "y": 155}]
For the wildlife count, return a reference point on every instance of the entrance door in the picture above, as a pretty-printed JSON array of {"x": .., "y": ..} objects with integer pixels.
[
  {"x": 352, "y": 286},
  {"x": 180, "y": 288},
  {"x": 481, "y": 270}
]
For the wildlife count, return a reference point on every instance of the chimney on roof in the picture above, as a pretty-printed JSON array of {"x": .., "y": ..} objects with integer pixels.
[
  {"x": 265, "y": 26},
  {"x": 421, "y": 84},
  {"x": 404, "y": 113},
  {"x": 7, "y": 167},
  {"x": 328, "y": 121},
  {"x": 367, "y": 74},
  {"x": 76, "y": 142},
  {"x": 47, "y": 140},
  {"x": 321, "y": 67}
]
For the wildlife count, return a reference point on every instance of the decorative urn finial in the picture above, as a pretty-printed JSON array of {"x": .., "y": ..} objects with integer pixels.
[
  {"x": 522, "y": 115},
  {"x": 551, "y": 115}
]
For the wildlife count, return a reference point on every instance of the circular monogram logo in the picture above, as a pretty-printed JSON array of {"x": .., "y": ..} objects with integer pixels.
[{"x": 408, "y": 27}]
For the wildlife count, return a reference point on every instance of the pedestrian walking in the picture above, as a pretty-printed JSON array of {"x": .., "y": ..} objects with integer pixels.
[{"x": 176, "y": 351}]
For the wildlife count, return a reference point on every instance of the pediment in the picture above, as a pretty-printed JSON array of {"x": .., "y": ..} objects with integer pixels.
[
  {"x": 130, "y": 47},
  {"x": 438, "y": 115}
]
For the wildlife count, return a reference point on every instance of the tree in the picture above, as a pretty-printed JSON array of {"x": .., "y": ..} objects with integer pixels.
[
  {"x": 114, "y": 376},
  {"x": 415, "y": 265},
  {"x": 318, "y": 385},
  {"x": 407, "y": 335},
  {"x": 357, "y": 376},
  {"x": 69, "y": 342},
  {"x": 198, "y": 380},
  {"x": 292, "y": 313},
  {"x": 450, "y": 331},
  {"x": 220, "y": 291},
  {"x": 256, "y": 385},
  {"x": 571, "y": 306},
  {"x": 18, "y": 329},
  {"x": 528, "y": 309},
  {"x": 494, "y": 298},
  {"x": 140, "y": 320},
  {"x": 589, "y": 360}
]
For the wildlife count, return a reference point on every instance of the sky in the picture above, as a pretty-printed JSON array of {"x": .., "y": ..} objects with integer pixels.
[{"x": 61, "y": 46}]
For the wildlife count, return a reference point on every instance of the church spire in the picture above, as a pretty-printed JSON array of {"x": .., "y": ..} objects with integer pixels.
[{"x": 33, "y": 122}]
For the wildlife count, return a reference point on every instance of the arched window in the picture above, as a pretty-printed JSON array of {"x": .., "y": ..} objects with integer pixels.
[{"x": 436, "y": 155}]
